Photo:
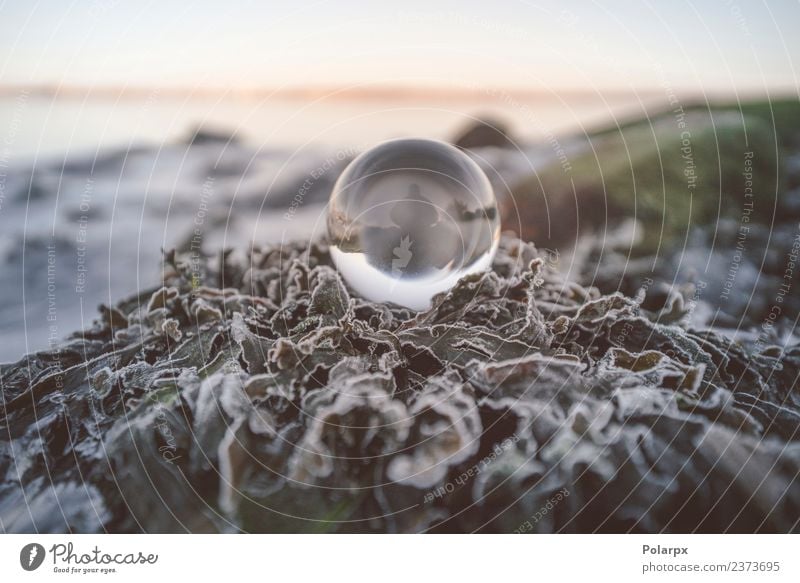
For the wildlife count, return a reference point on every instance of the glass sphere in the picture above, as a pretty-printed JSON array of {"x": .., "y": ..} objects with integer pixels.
[{"x": 410, "y": 217}]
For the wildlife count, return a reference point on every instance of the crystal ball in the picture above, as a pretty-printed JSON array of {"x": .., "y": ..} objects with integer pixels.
[{"x": 410, "y": 217}]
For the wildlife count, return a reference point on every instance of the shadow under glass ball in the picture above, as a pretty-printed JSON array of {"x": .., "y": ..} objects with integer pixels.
[{"x": 409, "y": 218}]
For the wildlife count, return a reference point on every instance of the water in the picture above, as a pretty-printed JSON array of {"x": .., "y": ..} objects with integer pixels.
[
  {"x": 36, "y": 126},
  {"x": 101, "y": 184},
  {"x": 409, "y": 218}
]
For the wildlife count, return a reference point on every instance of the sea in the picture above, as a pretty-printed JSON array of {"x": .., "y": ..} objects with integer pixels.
[{"x": 93, "y": 189}]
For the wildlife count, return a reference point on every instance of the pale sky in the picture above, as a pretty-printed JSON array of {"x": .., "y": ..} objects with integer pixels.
[{"x": 737, "y": 45}]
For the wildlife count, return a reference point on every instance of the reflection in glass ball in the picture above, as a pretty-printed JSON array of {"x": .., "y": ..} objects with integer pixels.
[{"x": 409, "y": 218}]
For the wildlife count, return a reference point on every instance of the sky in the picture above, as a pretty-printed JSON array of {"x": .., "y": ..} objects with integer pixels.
[{"x": 700, "y": 45}]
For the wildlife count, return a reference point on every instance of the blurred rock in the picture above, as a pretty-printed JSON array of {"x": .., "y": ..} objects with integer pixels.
[
  {"x": 209, "y": 135},
  {"x": 484, "y": 133}
]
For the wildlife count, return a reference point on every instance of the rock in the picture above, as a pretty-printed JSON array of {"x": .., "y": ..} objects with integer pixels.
[
  {"x": 485, "y": 133},
  {"x": 208, "y": 135}
]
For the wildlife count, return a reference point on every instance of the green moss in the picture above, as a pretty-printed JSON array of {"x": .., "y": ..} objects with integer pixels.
[
  {"x": 670, "y": 172},
  {"x": 782, "y": 115}
]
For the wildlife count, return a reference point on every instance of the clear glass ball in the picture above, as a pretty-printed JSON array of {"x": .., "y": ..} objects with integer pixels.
[{"x": 410, "y": 217}]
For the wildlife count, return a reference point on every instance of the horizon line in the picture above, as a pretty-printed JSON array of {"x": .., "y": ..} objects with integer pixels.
[{"x": 354, "y": 92}]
